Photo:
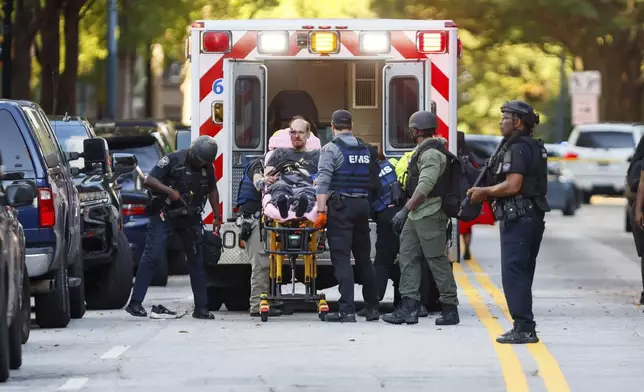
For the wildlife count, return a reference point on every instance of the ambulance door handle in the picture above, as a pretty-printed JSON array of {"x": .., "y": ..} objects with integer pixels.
[{"x": 254, "y": 156}]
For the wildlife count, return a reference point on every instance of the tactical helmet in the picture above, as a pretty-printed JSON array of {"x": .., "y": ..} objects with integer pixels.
[
  {"x": 204, "y": 149},
  {"x": 522, "y": 110},
  {"x": 423, "y": 120}
]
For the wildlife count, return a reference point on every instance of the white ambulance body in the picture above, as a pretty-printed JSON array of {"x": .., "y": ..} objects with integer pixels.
[{"x": 249, "y": 77}]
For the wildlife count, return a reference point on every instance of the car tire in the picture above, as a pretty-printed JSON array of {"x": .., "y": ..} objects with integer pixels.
[
  {"x": 237, "y": 299},
  {"x": 215, "y": 298},
  {"x": 77, "y": 294},
  {"x": 4, "y": 329},
  {"x": 110, "y": 286},
  {"x": 25, "y": 308},
  {"x": 15, "y": 338},
  {"x": 570, "y": 208},
  {"x": 161, "y": 273},
  {"x": 52, "y": 309}
]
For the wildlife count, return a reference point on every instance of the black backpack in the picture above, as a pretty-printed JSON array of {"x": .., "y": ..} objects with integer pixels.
[{"x": 452, "y": 186}]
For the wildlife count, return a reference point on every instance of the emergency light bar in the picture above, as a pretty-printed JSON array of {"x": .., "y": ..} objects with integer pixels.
[
  {"x": 375, "y": 42},
  {"x": 431, "y": 41},
  {"x": 272, "y": 42},
  {"x": 324, "y": 42},
  {"x": 216, "y": 42}
]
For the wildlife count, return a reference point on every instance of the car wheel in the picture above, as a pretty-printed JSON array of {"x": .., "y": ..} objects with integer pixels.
[
  {"x": 237, "y": 299},
  {"x": 110, "y": 287},
  {"x": 77, "y": 294},
  {"x": 4, "y": 329},
  {"x": 52, "y": 309},
  {"x": 215, "y": 298},
  {"x": 26, "y": 308}
]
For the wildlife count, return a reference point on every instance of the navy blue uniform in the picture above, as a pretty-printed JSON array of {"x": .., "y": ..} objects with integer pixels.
[
  {"x": 173, "y": 171},
  {"x": 522, "y": 231}
]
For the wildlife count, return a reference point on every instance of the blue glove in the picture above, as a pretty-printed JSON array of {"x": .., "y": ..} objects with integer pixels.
[{"x": 398, "y": 220}]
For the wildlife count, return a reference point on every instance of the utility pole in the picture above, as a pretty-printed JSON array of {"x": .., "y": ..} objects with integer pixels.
[
  {"x": 112, "y": 53},
  {"x": 7, "y": 33},
  {"x": 561, "y": 107}
]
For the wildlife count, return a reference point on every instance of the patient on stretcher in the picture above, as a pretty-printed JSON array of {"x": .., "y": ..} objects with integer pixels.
[{"x": 290, "y": 169}]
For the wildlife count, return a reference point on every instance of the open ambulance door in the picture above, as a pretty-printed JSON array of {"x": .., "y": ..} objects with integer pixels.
[
  {"x": 245, "y": 119},
  {"x": 405, "y": 90}
]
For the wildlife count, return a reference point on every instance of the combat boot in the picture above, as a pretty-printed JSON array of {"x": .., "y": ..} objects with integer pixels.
[
  {"x": 449, "y": 316},
  {"x": 406, "y": 312},
  {"x": 515, "y": 336}
]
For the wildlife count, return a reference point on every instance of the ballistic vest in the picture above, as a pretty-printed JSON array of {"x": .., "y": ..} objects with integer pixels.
[
  {"x": 353, "y": 177},
  {"x": 387, "y": 179},
  {"x": 247, "y": 191}
]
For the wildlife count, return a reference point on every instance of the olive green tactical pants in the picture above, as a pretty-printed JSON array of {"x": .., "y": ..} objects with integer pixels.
[
  {"x": 425, "y": 238},
  {"x": 260, "y": 268}
]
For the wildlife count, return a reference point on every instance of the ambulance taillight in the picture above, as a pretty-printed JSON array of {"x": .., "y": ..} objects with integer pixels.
[
  {"x": 216, "y": 41},
  {"x": 431, "y": 41},
  {"x": 324, "y": 42}
]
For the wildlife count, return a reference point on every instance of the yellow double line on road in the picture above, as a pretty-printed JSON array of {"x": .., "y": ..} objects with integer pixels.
[{"x": 513, "y": 373}]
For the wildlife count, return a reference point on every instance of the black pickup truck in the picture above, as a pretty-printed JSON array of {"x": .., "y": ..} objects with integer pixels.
[{"x": 107, "y": 257}]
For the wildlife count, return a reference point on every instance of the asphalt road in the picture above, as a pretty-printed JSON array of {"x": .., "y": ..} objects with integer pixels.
[{"x": 585, "y": 294}]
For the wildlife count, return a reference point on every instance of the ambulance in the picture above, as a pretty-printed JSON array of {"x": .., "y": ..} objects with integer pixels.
[{"x": 250, "y": 77}]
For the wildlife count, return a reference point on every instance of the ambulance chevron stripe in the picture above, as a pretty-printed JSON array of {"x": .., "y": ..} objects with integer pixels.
[{"x": 244, "y": 47}]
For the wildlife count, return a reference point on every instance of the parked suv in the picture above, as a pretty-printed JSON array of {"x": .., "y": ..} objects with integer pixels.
[
  {"x": 51, "y": 223},
  {"x": 15, "y": 304},
  {"x": 107, "y": 257}
]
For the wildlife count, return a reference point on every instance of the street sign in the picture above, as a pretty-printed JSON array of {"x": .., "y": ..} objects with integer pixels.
[
  {"x": 585, "y": 109},
  {"x": 586, "y": 82}
]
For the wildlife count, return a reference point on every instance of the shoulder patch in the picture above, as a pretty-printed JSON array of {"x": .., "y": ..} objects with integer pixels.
[{"x": 163, "y": 162}]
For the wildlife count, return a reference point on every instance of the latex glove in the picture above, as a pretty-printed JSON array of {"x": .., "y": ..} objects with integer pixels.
[
  {"x": 399, "y": 219},
  {"x": 320, "y": 222}
]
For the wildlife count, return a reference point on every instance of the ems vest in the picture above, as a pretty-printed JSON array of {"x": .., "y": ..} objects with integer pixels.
[
  {"x": 354, "y": 174},
  {"x": 247, "y": 191},
  {"x": 535, "y": 183},
  {"x": 387, "y": 177}
]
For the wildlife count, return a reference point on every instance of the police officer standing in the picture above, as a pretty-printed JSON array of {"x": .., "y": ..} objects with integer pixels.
[
  {"x": 521, "y": 180},
  {"x": 422, "y": 226},
  {"x": 180, "y": 182},
  {"x": 342, "y": 187}
]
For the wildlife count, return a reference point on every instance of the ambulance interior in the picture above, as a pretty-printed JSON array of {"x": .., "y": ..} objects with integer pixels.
[{"x": 316, "y": 88}]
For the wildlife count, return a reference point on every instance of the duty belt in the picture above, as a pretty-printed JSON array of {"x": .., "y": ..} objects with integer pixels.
[{"x": 513, "y": 208}]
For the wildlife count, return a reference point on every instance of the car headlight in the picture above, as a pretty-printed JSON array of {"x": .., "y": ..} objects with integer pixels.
[{"x": 93, "y": 197}]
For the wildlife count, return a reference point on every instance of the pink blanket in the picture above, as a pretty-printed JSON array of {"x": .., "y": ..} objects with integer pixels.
[{"x": 273, "y": 212}]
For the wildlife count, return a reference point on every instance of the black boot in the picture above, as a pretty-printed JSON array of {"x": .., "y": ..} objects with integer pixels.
[
  {"x": 369, "y": 314},
  {"x": 515, "y": 336},
  {"x": 203, "y": 314},
  {"x": 282, "y": 205},
  {"x": 449, "y": 316},
  {"x": 302, "y": 205},
  {"x": 339, "y": 317},
  {"x": 136, "y": 309},
  {"x": 406, "y": 312},
  {"x": 423, "y": 311}
]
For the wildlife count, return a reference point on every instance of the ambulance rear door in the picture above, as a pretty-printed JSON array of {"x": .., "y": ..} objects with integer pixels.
[
  {"x": 245, "y": 118},
  {"x": 406, "y": 90}
]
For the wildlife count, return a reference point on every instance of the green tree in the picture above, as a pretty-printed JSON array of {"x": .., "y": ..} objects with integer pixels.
[{"x": 604, "y": 35}]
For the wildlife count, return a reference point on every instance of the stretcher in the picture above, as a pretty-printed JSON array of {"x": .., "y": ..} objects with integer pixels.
[{"x": 289, "y": 240}]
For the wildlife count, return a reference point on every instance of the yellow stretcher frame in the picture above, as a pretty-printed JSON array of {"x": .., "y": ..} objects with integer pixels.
[{"x": 306, "y": 242}]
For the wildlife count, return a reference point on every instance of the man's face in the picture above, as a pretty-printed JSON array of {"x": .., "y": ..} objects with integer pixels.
[
  {"x": 506, "y": 124},
  {"x": 299, "y": 134}
]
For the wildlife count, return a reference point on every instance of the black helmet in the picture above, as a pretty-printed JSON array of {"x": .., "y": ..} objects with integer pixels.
[
  {"x": 522, "y": 110},
  {"x": 423, "y": 120},
  {"x": 204, "y": 150}
]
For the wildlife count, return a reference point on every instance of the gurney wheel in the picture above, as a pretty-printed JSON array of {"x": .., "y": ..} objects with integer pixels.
[
  {"x": 323, "y": 314},
  {"x": 264, "y": 316}
]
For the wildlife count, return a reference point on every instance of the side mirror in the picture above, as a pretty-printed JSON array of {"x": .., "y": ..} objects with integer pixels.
[
  {"x": 95, "y": 151},
  {"x": 124, "y": 163},
  {"x": 74, "y": 171},
  {"x": 72, "y": 156},
  {"x": 19, "y": 195}
]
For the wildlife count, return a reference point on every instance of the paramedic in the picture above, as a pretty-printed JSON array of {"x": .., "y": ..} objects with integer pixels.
[
  {"x": 180, "y": 183},
  {"x": 342, "y": 187},
  {"x": 424, "y": 233},
  {"x": 292, "y": 171},
  {"x": 521, "y": 180},
  {"x": 249, "y": 205}
]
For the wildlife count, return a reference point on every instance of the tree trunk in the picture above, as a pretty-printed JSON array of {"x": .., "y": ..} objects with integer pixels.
[
  {"x": 66, "y": 102},
  {"x": 23, "y": 39},
  {"x": 49, "y": 56}
]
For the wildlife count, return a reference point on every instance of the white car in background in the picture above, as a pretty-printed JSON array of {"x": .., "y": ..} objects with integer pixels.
[{"x": 597, "y": 155}]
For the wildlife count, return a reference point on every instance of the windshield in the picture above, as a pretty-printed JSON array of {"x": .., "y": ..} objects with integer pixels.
[
  {"x": 183, "y": 140},
  {"x": 147, "y": 156},
  {"x": 605, "y": 139},
  {"x": 71, "y": 137}
]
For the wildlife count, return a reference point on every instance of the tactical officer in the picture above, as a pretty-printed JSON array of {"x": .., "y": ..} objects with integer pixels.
[
  {"x": 424, "y": 233},
  {"x": 180, "y": 183},
  {"x": 342, "y": 188},
  {"x": 521, "y": 178}
]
